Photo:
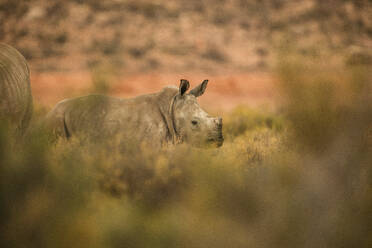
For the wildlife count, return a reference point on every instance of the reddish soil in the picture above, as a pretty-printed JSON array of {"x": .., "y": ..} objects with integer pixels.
[{"x": 255, "y": 89}]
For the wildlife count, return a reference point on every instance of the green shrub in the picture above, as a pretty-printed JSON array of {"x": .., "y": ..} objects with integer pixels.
[{"x": 243, "y": 119}]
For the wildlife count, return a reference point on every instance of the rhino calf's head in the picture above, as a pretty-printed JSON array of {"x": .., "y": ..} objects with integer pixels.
[{"x": 192, "y": 124}]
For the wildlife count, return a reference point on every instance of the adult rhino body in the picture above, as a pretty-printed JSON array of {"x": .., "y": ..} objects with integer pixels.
[
  {"x": 15, "y": 89},
  {"x": 168, "y": 116}
]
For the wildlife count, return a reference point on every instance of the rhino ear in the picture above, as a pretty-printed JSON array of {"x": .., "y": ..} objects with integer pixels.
[
  {"x": 184, "y": 86},
  {"x": 199, "y": 90}
]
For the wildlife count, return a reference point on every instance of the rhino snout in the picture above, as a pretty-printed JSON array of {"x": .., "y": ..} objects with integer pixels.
[
  {"x": 218, "y": 123},
  {"x": 216, "y": 135}
]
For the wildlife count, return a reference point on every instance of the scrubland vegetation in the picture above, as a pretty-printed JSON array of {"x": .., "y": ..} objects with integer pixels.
[
  {"x": 299, "y": 177},
  {"x": 179, "y": 35}
]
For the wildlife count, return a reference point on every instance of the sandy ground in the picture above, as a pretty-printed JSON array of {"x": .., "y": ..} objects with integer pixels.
[{"x": 255, "y": 89}]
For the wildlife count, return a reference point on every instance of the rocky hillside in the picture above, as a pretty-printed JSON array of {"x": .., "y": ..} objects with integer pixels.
[{"x": 192, "y": 35}]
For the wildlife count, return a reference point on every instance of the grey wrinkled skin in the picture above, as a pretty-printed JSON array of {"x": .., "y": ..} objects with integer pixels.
[
  {"x": 15, "y": 89},
  {"x": 170, "y": 116}
]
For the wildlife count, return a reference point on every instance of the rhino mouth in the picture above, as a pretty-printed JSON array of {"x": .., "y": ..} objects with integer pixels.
[{"x": 217, "y": 140}]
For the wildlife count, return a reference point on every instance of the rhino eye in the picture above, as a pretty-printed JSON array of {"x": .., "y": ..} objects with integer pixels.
[{"x": 194, "y": 123}]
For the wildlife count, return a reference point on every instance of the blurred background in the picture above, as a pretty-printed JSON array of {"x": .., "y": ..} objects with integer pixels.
[
  {"x": 292, "y": 80},
  {"x": 126, "y": 48}
]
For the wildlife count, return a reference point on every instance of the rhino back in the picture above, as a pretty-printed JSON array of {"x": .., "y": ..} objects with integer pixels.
[
  {"x": 15, "y": 90},
  {"x": 103, "y": 117},
  {"x": 87, "y": 115},
  {"x": 141, "y": 120}
]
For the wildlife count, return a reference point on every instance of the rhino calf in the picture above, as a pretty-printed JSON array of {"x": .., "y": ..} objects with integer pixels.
[
  {"x": 15, "y": 89},
  {"x": 169, "y": 116}
]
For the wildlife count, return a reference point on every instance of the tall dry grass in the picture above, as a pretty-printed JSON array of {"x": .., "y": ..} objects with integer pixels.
[{"x": 301, "y": 178}]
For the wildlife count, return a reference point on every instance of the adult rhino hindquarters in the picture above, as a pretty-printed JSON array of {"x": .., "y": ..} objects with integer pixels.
[
  {"x": 15, "y": 89},
  {"x": 169, "y": 116}
]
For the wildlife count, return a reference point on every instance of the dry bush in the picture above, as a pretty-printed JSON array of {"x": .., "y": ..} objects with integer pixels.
[{"x": 303, "y": 179}]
